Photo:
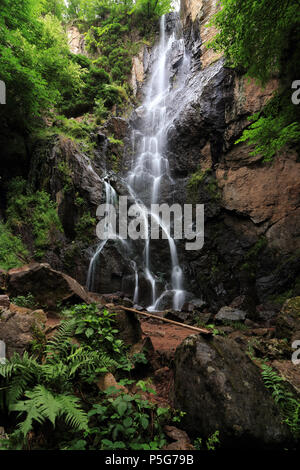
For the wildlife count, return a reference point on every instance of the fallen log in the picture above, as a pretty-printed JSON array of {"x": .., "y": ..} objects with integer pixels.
[{"x": 166, "y": 320}]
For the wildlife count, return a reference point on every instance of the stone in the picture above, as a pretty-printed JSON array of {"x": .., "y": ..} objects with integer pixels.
[
  {"x": 49, "y": 287},
  {"x": 220, "y": 388},
  {"x": 182, "y": 440},
  {"x": 269, "y": 195},
  {"x": 18, "y": 329},
  {"x": 230, "y": 314},
  {"x": 128, "y": 325},
  {"x": 108, "y": 380},
  {"x": 4, "y": 301},
  {"x": 288, "y": 321}
]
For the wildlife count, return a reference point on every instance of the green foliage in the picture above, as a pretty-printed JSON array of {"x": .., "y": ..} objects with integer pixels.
[
  {"x": 35, "y": 62},
  {"x": 27, "y": 301},
  {"x": 123, "y": 422},
  {"x": 85, "y": 227},
  {"x": 261, "y": 38},
  {"x": 98, "y": 329},
  {"x": 289, "y": 404},
  {"x": 211, "y": 443},
  {"x": 255, "y": 35},
  {"x": 56, "y": 395},
  {"x": 41, "y": 405},
  {"x": 13, "y": 254},
  {"x": 35, "y": 211},
  {"x": 269, "y": 134}
]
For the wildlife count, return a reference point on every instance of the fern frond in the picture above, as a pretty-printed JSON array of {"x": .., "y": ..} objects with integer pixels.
[
  {"x": 60, "y": 342},
  {"x": 42, "y": 405}
]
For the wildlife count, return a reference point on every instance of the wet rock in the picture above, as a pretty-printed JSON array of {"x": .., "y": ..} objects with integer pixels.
[
  {"x": 219, "y": 388},
  {"x": 288, "y": 321},
  {"x": 19, "y": 328},
  {"x": 49, "y": 287},
  {"x": 230, "y": 314}
]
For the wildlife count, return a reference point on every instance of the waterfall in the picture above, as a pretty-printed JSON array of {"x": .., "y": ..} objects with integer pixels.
[
  {"x": 150, "y": 166},
  {"x": 150, "y": 170},
  {"x": 111, "y": 201}
]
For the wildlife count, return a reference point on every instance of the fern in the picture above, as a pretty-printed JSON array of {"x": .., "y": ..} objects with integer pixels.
[
  {"x": 43, "y": 405},
  {"x": 19, "y": 372},
  {"x": 289, "y": 405},
  {"x": 60, "y": 342}
]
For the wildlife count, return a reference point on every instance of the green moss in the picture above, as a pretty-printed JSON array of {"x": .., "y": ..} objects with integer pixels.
[{"x": 13, "y": 253}]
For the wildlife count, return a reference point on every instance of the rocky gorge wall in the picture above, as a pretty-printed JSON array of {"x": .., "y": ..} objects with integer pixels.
[{"x": 251, "y": 207}]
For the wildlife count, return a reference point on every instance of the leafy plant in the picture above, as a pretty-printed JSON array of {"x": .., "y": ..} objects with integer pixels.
[
  {"x": 13, "y": 253},
  {"x": 290, "y": 406},
  {"x": 27, "y": 301}
]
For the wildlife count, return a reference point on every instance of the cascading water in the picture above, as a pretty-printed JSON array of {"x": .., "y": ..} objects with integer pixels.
[
  {"x": 150, "y": 168},
  {"x": 111, "y": 201}
]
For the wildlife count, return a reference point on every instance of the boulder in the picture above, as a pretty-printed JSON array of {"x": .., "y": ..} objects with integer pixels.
[
  {"x": 288, "y": 321},
  {"x": 129, "y": 326},
  {"x": 4, "y": 301},
  {"x": 182, "y": 440},
  {"x": 49, "y": 287},
  {"x": 230, "y": 314},
  {"x": 220, "y": 388},
  {"x": 19, "y": 328},
  {"x": 108, "y": 380}
]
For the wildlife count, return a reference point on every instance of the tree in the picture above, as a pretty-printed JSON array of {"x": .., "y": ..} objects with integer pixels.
[
  {"x": 34, "y": 62},
  {"x": 257, "y": 34},
  {"x": 262, "y": 38}
]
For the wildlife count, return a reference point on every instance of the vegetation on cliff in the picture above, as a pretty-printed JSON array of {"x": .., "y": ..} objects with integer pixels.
[{"x": 262, "y": 39}]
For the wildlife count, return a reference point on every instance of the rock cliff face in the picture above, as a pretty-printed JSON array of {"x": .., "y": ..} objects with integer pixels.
[{"x": 252, "y": 208}]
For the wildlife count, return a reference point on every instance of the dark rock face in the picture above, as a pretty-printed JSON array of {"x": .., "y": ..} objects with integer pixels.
[
  {"x": 220, "y": 388},
  {"x": 49, "y": 287}
]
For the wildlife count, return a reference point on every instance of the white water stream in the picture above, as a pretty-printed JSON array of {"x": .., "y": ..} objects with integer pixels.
[{"x": 150, "y": 169}]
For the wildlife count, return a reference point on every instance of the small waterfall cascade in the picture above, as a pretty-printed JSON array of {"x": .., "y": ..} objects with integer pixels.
[
  {"x": 111, "y": 200},
  {"x": 150, "y": 172}
]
